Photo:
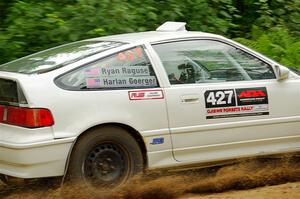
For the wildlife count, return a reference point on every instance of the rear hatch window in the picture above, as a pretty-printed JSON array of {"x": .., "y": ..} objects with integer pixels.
[{"x": 57, "y": 57}]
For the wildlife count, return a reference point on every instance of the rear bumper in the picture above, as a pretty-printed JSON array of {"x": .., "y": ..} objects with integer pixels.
[{"x": 34, "y": 160}]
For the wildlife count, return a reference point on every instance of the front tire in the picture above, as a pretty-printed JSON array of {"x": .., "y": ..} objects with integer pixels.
[{"x": 104, "y": 157}]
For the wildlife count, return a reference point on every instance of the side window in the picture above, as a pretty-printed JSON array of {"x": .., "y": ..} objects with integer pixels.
[
  {"x": 201, "y": 61},
  {"x": 127, "y": 69}
]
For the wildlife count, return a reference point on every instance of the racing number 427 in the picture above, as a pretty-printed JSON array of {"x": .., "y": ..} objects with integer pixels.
[{"x": 219, "y": 98}]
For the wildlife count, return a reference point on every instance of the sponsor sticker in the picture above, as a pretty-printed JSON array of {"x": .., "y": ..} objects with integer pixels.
[
  {"x": 156, "y": 141},
  {"x": 251, "y": 96},
  {"x": 145, "y": 94},
  {"x": 130, "y": 55},
  {"x": 241, "y": 102}
]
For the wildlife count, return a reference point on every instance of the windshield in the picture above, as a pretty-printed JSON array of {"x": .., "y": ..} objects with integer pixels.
[{"x": 57, "y": 57}]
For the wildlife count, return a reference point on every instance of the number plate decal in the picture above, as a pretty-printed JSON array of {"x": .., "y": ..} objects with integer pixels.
[{"x": 241, "y": 102}]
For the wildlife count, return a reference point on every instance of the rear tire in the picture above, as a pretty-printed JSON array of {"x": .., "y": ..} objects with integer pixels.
[{"x": 104, "y": 157}]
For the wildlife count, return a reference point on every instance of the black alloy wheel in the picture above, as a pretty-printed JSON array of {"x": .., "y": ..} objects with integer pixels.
[
  {"x": 106, "y": 165},
  {"x": 104, "y": 157}
]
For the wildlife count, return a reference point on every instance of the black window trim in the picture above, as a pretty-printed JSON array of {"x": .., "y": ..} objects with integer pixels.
[{"x": 58, "y": 83}]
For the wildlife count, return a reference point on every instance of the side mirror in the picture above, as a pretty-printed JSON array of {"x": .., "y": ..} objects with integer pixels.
[{"x": 281, "y": 72}]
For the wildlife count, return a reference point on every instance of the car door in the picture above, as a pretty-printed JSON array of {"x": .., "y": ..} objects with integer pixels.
[{"x": 224, "y": 102}]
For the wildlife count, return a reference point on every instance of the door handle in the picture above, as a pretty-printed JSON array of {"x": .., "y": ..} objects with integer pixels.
[{"x": 190, "y": 98}]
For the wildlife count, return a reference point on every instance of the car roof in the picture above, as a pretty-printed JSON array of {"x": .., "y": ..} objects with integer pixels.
[{"x": 169, "y": 30}]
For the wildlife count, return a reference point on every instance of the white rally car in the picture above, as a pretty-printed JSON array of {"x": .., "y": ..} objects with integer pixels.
[{"x": 101, "y": 110}]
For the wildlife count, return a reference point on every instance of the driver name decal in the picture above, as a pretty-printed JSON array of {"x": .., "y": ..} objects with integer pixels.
[{"x": 241, "y": 102}]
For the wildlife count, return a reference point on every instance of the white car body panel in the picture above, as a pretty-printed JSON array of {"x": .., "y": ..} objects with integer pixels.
[
  {"x": 191, "y": 131},
  {"x": 33, "y": 160},
  {"x": 188, "y": 136}
]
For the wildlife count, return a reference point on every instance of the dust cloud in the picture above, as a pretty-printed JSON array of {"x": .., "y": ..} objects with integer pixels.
[{"x": 250, "y": 173}]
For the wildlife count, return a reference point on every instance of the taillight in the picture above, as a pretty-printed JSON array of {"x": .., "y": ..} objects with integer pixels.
[{"x": 26, "y": 117}]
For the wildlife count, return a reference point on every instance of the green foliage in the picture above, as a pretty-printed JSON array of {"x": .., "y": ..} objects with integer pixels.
[
  {"x": 276, "y": 43},
  {"x": 271, "y": 27}
]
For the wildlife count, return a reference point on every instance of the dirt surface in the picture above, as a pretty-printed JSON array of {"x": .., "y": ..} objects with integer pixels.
[
  {"x": 254, "y": 178},
  {"x": 285, "y": 191}
]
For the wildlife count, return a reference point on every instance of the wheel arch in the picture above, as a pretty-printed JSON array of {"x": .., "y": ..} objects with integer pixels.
[{"x": 132, "y": 131}]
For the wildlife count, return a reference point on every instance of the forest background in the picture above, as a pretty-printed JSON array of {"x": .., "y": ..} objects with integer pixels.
[{"x": 271, "y": 27}]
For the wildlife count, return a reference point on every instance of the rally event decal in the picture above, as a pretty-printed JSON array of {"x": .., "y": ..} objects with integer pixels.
[{"x": 241, "y": 102}]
